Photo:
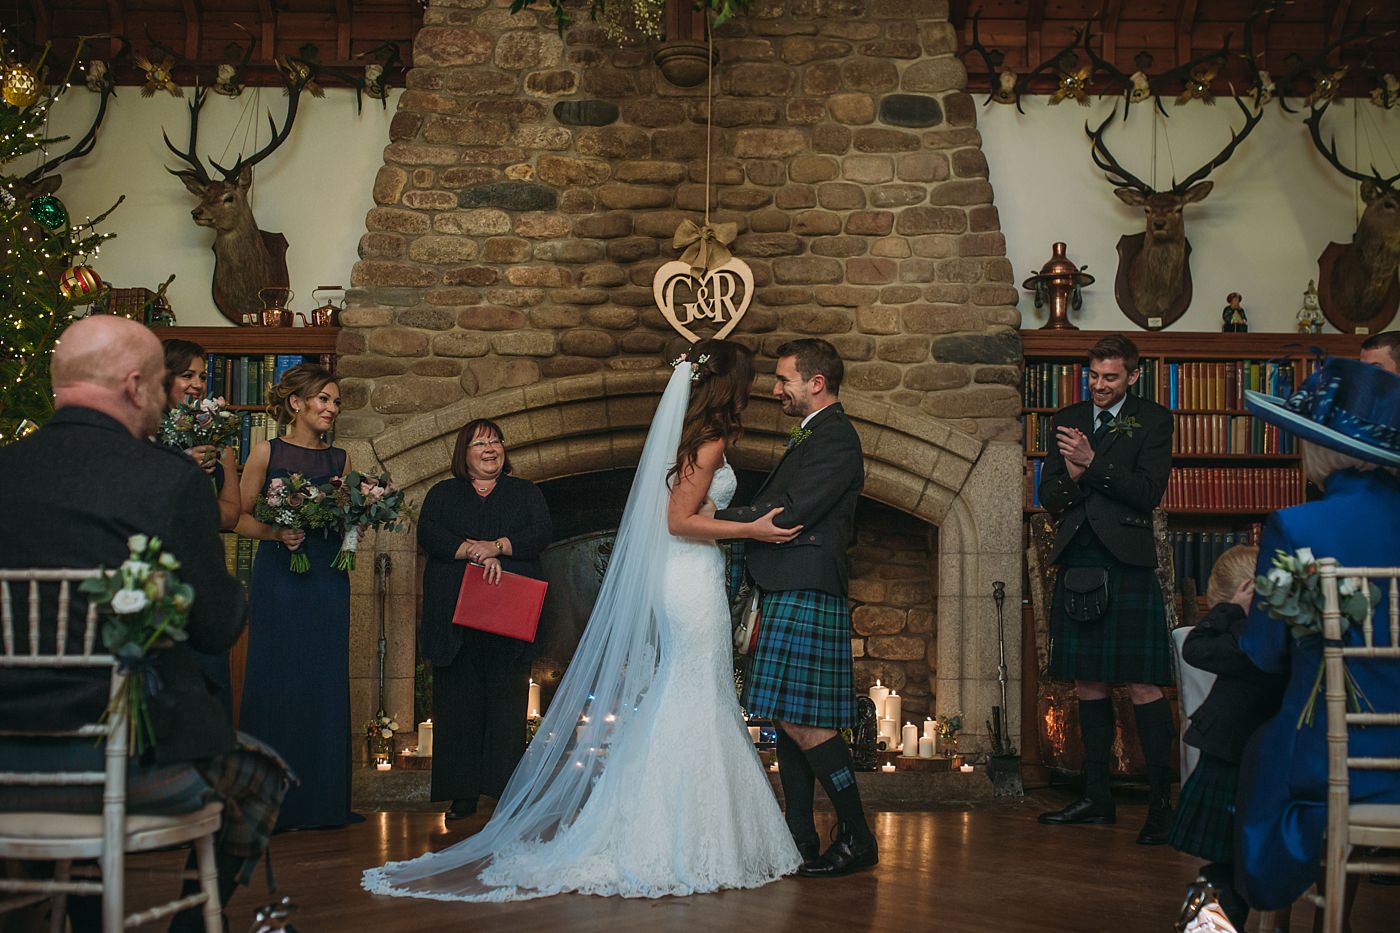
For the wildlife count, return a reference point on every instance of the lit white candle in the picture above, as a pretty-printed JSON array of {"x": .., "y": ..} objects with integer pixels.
[
  {"x": 894, "y": 706},
  {"x": 925, "y": 746},
  {"x": 878, "y": 694},
  {"x": 889, "y": 731},
  {"x": 910, "y": 739},
  {"x": 425, "y": 739},
  {"x": 532, "y": 708},
  {"x": 754, "y": 732},
  {"x": 967, "y": 769},
  {"x": 887, "y": 768},
  {"x": 384, "y": 766},
  {"x": 930, "y": 728},
  {"x": 773, "y": 766}
]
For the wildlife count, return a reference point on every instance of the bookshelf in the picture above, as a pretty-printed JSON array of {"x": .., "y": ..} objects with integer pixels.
[
  {"x": 254, "y": 348},
  {"x": 1229, "y": 470}
]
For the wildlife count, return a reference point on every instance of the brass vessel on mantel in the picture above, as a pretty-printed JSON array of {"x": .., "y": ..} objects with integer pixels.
[{"x": 1059, "y": 283}]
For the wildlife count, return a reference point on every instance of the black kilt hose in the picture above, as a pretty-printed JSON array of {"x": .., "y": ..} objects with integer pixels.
[{"x": 1130, "y": 644}]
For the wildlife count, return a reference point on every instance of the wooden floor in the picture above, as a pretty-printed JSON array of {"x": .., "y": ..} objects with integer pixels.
[{"x": 992, "y": 868}]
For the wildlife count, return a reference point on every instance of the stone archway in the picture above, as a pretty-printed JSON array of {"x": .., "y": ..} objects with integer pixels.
[{"x": 915, "y": 463}]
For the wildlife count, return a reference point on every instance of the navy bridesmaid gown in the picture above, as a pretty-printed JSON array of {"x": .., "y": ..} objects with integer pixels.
[{"x": 296, "y": 693}]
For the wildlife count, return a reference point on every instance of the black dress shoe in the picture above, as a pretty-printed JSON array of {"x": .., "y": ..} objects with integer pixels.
[
  {"x": 845, "y": 856},
  {"x": 810, "y": 851},
  {"x": 1157, "y": 828},
  {"x": 1082, "y": 810},
  {"x": 460, "y": 809}
]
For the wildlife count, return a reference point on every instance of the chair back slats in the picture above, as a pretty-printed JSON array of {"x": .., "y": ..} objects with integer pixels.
[
  {"x": 63, "y": 609},
  {"x": 34, "y": 619},
  {"x": 89, "y": 629},
  {"x": 13, "y": 654},
  {"x": 1374, "y": 764},
  {"x": 52, "y": 778}
]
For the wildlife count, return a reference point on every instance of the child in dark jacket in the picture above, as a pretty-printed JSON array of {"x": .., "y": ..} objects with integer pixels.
[{"x": 1242, "y": 699}]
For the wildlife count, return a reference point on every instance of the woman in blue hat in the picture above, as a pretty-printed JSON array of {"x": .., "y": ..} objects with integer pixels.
[{"x": 1347, "y": 417}]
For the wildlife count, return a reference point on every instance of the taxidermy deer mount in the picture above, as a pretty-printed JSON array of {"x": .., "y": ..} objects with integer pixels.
[
  {"x": 1356, "y": 281},
  {"x": 246, "y": 259},
  {"x": 1154, "y": 278}
]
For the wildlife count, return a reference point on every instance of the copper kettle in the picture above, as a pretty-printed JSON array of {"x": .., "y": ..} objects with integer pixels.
[
  {"x": 274, "y": 313},
  {"x": 328, "y": 314}
]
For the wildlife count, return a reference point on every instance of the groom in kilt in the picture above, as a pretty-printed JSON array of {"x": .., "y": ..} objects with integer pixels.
[
  {"x": 1105, "y": 471},
  {"x": 800, "y": 674}
]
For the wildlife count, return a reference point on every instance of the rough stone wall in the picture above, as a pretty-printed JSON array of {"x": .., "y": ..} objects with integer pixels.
[
  {"x": 894, "y": 635},
  {"x": 532, "y": 185}
]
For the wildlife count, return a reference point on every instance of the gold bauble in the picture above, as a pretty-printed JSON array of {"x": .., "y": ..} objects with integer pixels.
[{"x": 21, "y": 86}]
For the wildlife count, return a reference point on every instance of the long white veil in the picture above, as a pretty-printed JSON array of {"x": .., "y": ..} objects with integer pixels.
[{"x": 612, "y": 670}]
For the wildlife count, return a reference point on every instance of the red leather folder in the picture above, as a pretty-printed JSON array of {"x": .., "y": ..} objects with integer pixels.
[{"x": 510, "y": 608}]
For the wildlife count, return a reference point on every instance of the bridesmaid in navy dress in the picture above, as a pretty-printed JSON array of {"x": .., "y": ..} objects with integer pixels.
[{"x": 296, "y": 694}]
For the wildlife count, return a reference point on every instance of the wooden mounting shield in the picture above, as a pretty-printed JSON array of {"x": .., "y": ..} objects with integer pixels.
[
  {"x": 1129, "y": 245},
  {"x": 1338, "y": 317}
]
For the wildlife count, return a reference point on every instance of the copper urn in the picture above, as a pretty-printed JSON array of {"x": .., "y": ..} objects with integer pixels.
[{"x": 1059, "y": 283}]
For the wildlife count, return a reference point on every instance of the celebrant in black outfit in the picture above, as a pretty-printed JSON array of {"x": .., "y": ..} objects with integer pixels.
[
  {"x": 480, "y": 680},
  {"x": 1104, "y": 474}
]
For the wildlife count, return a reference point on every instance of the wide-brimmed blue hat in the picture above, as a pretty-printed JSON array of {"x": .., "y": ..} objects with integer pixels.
[{"x": 1345, "y": 405}]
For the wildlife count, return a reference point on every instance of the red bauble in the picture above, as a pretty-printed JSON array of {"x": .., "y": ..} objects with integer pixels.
[{"x": 80, "y": 284}]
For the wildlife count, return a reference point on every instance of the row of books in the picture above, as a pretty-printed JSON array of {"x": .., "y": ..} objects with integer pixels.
[
  {"x": 238, "y": 556},
  {"x": 1195, "y": 552},
  {"x": 1254, "y": 489},
  {"x": 248, "y": 380},
  {"x": 1229, "y": 434},
  {"x": 1190, "y": 386},
  {"x": 256, "y": 426},
  {"x": 1195, "y": 434},
  {"x": 1240, "y": 488}
]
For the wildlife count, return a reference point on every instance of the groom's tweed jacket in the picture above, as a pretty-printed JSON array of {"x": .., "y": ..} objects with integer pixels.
[{"x": 817, "y": 484}]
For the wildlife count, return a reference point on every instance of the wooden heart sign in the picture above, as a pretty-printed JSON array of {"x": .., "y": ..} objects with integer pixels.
[{"x": 719, "y": 298}]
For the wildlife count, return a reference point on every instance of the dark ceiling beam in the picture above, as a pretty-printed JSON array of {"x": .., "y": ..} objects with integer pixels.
[
  {"x": 1185, "y": 25},
  {"x": 192, "y": 28},
  {"x": 1337, "y": 11},
  {"x": 1035, "y": 22},
  {"x": 267, "y": 19},
  {"x": 342, "y": 29},
  {"x": 42, "y": 20}
]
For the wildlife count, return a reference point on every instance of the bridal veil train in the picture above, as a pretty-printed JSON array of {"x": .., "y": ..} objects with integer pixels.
[{"x": 641, "y": 781}]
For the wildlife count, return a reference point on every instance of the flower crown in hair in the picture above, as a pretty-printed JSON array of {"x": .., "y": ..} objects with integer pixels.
[{"x": 694, "y": 366}]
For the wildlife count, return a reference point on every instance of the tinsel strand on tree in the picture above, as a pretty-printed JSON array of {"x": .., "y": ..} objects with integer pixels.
[{"x": 37, "y": 244}]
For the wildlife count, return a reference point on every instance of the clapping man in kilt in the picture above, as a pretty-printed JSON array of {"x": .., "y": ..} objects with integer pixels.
[
  {"x": 801, "y": 676},
  {"x": 1105, "y": 472}
]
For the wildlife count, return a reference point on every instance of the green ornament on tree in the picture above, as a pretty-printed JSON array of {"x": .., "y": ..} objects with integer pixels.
[{"x": 49, "y": 211}]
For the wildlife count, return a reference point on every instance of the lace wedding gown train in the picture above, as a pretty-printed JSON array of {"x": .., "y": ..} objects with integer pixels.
[{"x": 681, "y": 804}]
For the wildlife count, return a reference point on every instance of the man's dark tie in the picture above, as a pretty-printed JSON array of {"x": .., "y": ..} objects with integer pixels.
[{"x": 1105, "y": 419}]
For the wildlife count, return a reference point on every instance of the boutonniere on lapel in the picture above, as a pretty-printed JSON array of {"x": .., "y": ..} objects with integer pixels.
[
  {"x": 1124, "y": 426},
  {"x": 798, "y": 435}
]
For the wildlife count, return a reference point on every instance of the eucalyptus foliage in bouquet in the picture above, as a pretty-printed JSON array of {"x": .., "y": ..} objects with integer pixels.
[
  {"x": 146, "y": 607},
  {"x": 295, "y": 502},
  {"x": 362, "y": 501},
  {"x": 1292, "y": 592}
]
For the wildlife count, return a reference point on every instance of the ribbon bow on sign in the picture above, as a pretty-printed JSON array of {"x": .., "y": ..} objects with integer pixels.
[{"x": 706, "y": 248}]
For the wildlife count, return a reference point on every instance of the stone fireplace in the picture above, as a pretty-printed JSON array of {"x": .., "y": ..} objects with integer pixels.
[{"x": 530, "y": 190}]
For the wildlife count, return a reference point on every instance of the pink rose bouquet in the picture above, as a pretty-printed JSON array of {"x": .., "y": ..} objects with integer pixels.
[
  {"x": 363, "y": 501},
  {"x": 294, "y": 502}
]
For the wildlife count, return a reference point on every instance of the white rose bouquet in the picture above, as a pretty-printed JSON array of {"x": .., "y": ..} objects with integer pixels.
[
  {"x": 147, "y": 607},
  {"x": 1292, "y": 592},
  {"x": 200, "y": 422}
]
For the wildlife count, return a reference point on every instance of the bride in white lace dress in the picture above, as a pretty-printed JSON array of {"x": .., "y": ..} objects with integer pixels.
[{"x": 642, "y": 780}]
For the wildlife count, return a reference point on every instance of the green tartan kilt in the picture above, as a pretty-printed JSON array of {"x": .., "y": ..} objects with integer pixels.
[
  {"x": 1130, "y": 644},
  {"x": 1204, "y": 823},
  {"x": 800, "y": 671}
]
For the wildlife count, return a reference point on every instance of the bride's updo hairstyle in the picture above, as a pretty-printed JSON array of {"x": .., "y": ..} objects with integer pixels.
[
  {"x": 303, "y": 380},
  {"x": 719, "y": 391}
]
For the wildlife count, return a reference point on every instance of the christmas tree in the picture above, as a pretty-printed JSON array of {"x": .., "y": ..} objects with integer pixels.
[{"x": 40, "y": 285}]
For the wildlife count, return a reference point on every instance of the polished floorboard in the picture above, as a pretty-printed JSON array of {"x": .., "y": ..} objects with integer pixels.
[{"x": 991, "y": 868}]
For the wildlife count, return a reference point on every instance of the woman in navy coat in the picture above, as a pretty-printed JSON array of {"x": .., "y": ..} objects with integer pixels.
[{"x": 1348, "y": 417}]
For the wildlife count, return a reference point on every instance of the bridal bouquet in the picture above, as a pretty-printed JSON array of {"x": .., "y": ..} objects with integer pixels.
[
  {"x": 199, "y": 422},
  {"x": 147, "y": 606},
  {"x": 295, "y": 502},
  {"x": 362, "y": 501},
  {"x": 1292, "y": 592}
]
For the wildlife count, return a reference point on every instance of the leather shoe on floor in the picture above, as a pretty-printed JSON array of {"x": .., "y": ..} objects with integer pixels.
[
  {"x": 1082, "y": 810},
  {"x": 1157, "y": 828},
  {"x": 810, "y": 851},
  {"x": 845, "y": 856},
  {"x": 460, "y": 810}
]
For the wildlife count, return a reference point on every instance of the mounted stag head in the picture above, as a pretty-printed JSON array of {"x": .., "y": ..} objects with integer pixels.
[
  {"x": 1356, "y": 281},
  {"x": 246, "y": 259},
  {"x": 1154, "y": 279}
]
